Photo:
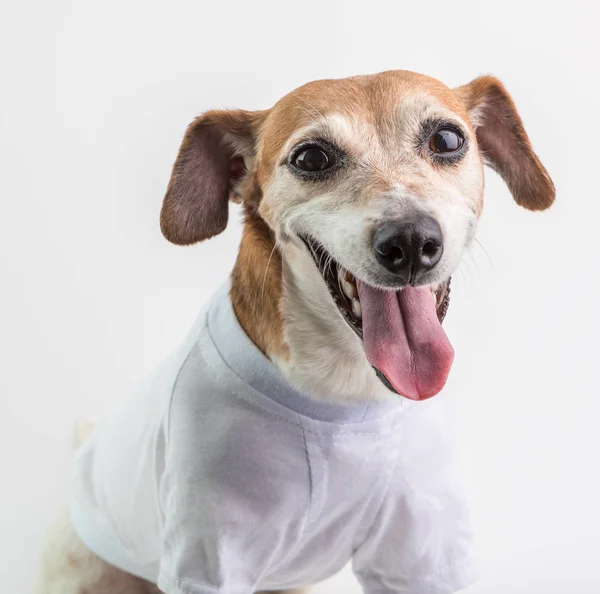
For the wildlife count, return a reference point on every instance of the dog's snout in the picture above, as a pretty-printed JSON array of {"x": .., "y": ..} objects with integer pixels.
[{"x": 409, "y": 248}]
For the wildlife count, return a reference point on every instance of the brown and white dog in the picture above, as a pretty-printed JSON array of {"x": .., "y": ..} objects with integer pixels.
[{"x": 360, "y": 197}]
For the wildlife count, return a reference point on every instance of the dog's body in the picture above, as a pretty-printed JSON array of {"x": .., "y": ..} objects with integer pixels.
[{"x": 360, "y": 196}]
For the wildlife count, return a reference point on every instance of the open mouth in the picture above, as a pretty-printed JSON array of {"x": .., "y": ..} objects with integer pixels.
[{"x": 401, "y": 329}]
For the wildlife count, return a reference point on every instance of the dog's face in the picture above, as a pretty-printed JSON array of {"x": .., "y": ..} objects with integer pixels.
[
  {"x": 360, "y": 165},
  {"x": 379, "y": 179}
]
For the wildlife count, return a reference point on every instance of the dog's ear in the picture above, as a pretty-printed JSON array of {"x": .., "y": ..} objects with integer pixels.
[
  {"x": 214, "y": 159},
  {"x": 504, "y": 144}
]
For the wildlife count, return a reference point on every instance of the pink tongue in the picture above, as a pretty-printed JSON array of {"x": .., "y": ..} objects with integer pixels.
[{"x": 404, "y": 339}]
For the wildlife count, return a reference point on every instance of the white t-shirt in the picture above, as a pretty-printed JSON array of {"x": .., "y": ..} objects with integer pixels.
[{"x": 219, "y": 477}]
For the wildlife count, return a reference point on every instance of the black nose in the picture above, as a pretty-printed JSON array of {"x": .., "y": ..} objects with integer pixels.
[{"x": 409, "y": 248}]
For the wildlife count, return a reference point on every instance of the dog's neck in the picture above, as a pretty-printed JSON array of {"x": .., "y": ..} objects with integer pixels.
[{"x": 283, "y": 305}]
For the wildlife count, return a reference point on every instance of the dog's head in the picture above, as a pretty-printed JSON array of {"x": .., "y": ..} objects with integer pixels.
[{"x": 379, "y": 178}]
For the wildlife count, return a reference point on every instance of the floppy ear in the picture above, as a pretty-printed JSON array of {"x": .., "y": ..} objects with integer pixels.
[
  {"x": 215, "y": 156},
  {"x": 504, "y": 143}
]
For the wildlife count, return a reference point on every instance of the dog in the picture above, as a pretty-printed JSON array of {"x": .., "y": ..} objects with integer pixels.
[{"x": 295, "y": 428}]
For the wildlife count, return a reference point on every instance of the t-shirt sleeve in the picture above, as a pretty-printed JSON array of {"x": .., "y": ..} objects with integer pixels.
[
  {"x": 209, "y": 546},
  {"x": 225, "y": 513},
  {"x": 421, "y": 540}
]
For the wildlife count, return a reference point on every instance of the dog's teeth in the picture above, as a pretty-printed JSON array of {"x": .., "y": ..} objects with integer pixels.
[
  {"x": 349, "y": 289},
  {"x": 356, "y": 308}
]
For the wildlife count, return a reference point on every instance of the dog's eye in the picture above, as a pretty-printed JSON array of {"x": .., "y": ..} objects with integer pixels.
[
  {"x": 445, "y": 140},
  {"x": 311, "y": 159}
]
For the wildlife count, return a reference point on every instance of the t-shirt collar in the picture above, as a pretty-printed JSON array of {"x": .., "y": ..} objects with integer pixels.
[{"x": 250, "y": 364}]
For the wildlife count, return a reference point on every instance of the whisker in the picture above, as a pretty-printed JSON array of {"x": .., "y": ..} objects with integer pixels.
[
  {"x": 327, "y": 266},
  {"x": 339, "y": 282},
  {"x": 266, "y": 270},
  {"x": 489, "y": 259},
  {"x": 460, "y": 271}
]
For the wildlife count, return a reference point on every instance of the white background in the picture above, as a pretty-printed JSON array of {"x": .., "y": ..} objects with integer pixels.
[{"x": 94, "y": 99}]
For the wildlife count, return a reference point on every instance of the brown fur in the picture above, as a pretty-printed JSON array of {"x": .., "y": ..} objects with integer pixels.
[
  {"x": 196, "y": 208},
  {"x": 505, "y": 144},
  {"x": 366, "y": 98},
  {"x": 204, "y": 176},
  {"x": 256, "y": 287}
]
